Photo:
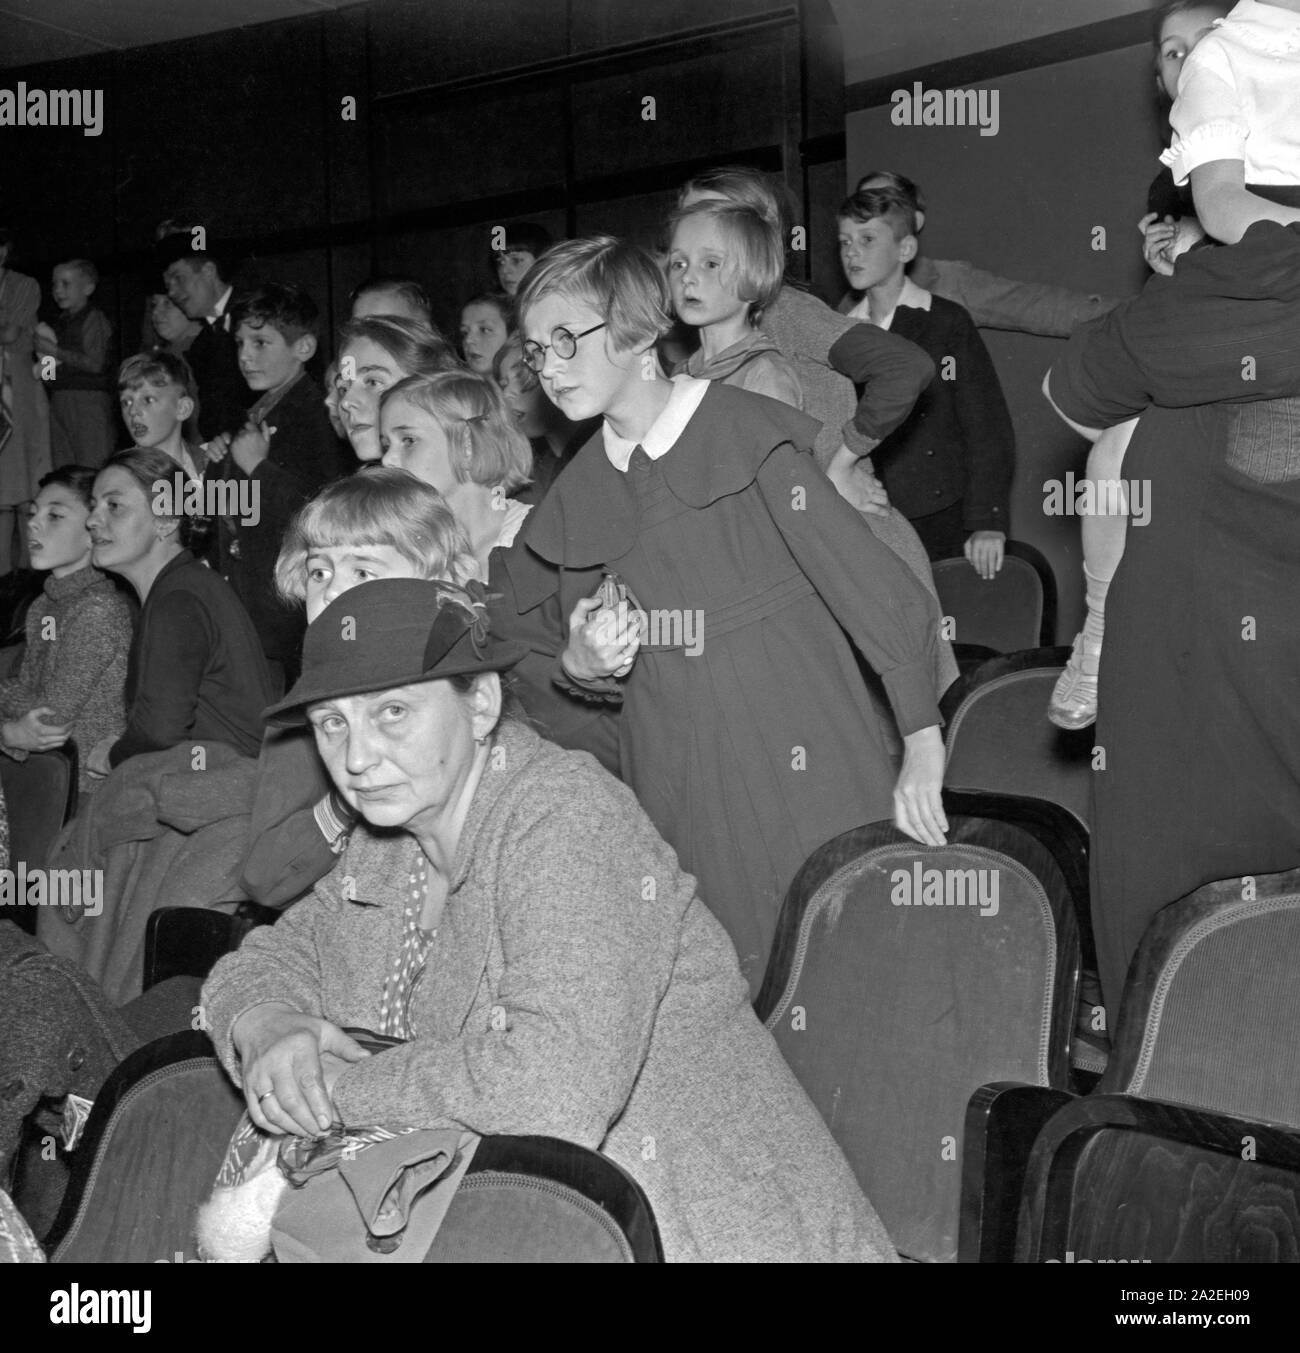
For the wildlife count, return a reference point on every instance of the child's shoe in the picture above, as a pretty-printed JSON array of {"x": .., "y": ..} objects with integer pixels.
[{"x": 1074, "y": 698}]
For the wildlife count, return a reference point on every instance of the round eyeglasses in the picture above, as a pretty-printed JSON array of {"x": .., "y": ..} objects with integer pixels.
[{"x": 564, "y": 343}]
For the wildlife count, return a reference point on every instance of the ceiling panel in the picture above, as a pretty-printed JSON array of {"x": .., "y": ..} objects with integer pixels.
[
  {"x": 880, "y": 36},
  {"x": 48, "y": 30}
]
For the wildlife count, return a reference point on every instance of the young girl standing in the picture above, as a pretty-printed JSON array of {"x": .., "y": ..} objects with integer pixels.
[
  {"x": 747, "y": 733},
  {"x": 724, "y": 269},
  {"x": 1236, "y": 119}
]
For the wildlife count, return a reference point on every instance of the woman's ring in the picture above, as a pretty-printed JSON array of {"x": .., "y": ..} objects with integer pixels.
[{"x": 265, "y": 1094}]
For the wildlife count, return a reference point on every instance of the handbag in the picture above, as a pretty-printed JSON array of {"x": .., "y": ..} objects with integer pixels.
[
  {"x": 357, "y": 1195},
  {"x": 382, "y": 1203}
]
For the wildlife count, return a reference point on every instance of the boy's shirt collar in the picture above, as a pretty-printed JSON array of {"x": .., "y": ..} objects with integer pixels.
[
  {"x": 916, "y": 298},
  {"x": 662, "y": 435},
  {"x": 270, "y": 398},
  {"x": 219, "y": 317}
]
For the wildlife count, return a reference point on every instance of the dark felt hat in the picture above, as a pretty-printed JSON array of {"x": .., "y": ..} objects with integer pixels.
[{"x": 393, "y": 632}]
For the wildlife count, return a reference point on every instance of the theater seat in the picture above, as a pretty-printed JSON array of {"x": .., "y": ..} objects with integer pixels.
[
  {"x": 159, "y": 1131},
  {"x": 1015, "y": 610},
  {"x": 1210, "y": 1015},
  {"x": 999, "y": 739},
  {"x": 891, "y": 1014},
  {"x": 1113, "y": 1179},
  {"x": 187, "y": 941}
]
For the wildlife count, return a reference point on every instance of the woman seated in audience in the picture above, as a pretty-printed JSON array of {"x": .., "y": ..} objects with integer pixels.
[
  {"x": 384, "y": 523},
  {"x": 196, "y": 670},
  {"x": 541, "y": 986},
  {"x": 73, "y": 672},
  {"x": 454, "y": 432},
  {"x": 485, "y": 324},
  {"x": 553, "y": 438},
  {"x": 374, "y": 353}
]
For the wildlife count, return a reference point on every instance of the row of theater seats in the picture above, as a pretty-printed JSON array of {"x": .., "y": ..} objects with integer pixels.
[{"x": 928, "y": 1001}]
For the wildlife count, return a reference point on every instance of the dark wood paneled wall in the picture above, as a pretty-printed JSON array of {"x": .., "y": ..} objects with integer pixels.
[{"x": 470, "y": 113}]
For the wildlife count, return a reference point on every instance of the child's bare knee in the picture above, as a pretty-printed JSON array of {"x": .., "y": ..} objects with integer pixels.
[{"x": 1106, "y": 459}]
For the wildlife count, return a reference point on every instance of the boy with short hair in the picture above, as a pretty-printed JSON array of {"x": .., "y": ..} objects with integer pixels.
[
  {"x": 525, "y": 243},
  {"x": 948, "y": 467},
  {"x": 286, "y": 448},
  {"x": 993, "y": 302},
  {"x": 400, "y": 296},
  {"x": 159, "y": 399},
  {"x": 82, "y": 426}
]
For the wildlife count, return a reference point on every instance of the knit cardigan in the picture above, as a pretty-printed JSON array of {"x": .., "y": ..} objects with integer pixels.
[
  {"x": 78, "y": 639},
  {"x": 577, "y": 987}
]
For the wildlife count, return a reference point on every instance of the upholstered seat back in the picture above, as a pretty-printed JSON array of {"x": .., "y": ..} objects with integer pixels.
[
  {"x": 150, "y": 1155},
  {"x": 999, "y": 739},
  {"x": 160, "y": 1130},
  {"x": 1211, "y": 1011},
  {"x": 903, "y": 978},
  {"x": 1114, "y": 1179},
  {"x": 1014, "y": 610}
]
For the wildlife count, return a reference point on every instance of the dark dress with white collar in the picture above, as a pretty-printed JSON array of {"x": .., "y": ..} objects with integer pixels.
[{"x": 758, "y": 742}]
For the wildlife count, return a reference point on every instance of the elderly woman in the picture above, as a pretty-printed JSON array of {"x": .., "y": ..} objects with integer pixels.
[{"x": 508, "y": 909}]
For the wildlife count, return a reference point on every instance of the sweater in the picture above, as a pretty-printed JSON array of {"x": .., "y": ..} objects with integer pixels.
[
  {"x": 196, "y": 671},
  {"x": 78, "y": 638},
  {"x": 84, "y": 339},
  {"x": 831, "y": 355},
  {"x": 577, "y": 988}
]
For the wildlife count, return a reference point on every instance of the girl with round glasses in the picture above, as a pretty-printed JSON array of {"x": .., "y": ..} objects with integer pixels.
[{"x": 746, "y": 729}]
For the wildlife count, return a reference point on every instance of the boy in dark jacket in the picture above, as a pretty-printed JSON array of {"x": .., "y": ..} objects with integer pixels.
[
  {"x": 288, "y": 450},
  {"x": 948, "y": 467}
]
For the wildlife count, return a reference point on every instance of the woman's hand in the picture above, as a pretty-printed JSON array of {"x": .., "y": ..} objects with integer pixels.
[
  {"x": 290, "y": 1062},
  {"x": 602, "y": 642},
  {"x": 32, "y": 733},
  {"x": 918, "y": 793}
]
